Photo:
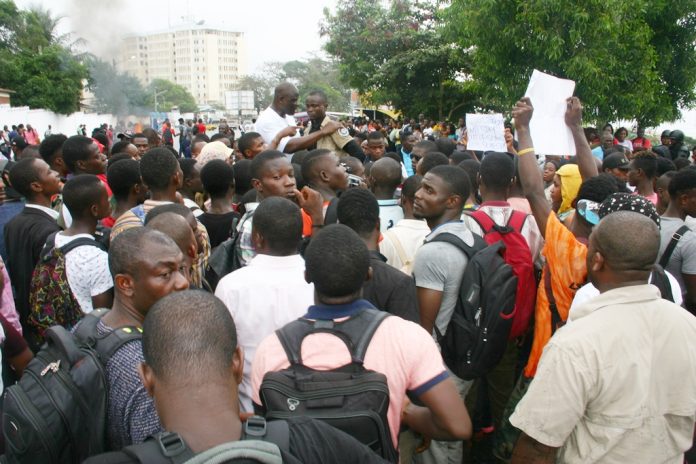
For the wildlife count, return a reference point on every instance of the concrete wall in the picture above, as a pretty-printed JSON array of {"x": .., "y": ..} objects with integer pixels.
[{"x": 40, "y": 119}]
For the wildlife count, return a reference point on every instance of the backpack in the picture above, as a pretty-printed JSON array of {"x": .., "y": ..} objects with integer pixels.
[
  {"x": 57, "y": 412},
  {"x": 51, "y": 302},
  {"x": 350, "y": 398},
  {"x": 261, "y": 441},
  {"x": 225, "y": 257},
  {"x": 518, "y": 255},
  {"x": 167, "y": 136},
  {"x": 477, "y": 334}
]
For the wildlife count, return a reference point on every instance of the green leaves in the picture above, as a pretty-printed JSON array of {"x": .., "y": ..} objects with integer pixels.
[{"x": 174, "y": 95}]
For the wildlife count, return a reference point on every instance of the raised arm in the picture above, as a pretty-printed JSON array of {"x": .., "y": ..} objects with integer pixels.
[
  {"x": 530, "y": 175},
  {"x": 573, "y": 119}
]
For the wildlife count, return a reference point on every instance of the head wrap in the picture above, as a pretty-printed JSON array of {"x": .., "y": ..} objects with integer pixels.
[
  {"x": 629, "y": 202},
  {"x": 570, "y": 184},
  {"x": 211, "y": 151}
]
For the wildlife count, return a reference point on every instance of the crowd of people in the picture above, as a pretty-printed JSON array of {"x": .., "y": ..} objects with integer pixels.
[{"x": 309, "y": 274}]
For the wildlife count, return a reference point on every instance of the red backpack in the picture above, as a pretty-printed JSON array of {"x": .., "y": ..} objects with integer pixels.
[{"x": 518, "y": 255}]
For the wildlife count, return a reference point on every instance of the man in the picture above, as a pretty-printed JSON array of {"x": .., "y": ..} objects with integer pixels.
[
  {"x": 677, "y": 149},
  {"x": 277, "y": 126},
  {"x": 408, "y": 141},
  {"x": 51, "y": 150},
  {"x": 681, "y": 261},
  {"x": 389, "y": 289},
  {"x": 146, "y": 266},
  {"x": 250, "y": 144},
  {"x": 617, "y": 384},
  {"x": 81, "y": 156},
  {"x": 184, "y": 138},
  {"x": 385, "y": 177},
  {"x": 141, "y": 143},
  {"x": 48, "y": 132},
  {"x": 191, "y": 184},
  {"x": 272, "y": 283},
  {"x": 616, "y": 164},
  {"x": 640, "y": 142},
  {"x": 337, "y": 263},
  {"x": 374, "y": 146},
  {"x": 26, "y": 233},
  {"x": 662, "y": 190},
  {"x": 400, "y": 243},
  {"x": 429, "y": 161},
  {"x": 192, "y": 332},
  {"x": 420, "y": 149},
  {"x": 126, "y": 185},
  {"x": 18, "y": 145},
  {"x": 641, "y": 175},
  {"x": 340, "y": 142},
  {"x": 607, "y": 143},
  {"x": 323, "y": 171},
  {"x": 197, "y": 146},
  {"x": 178, "y": 229},
  {"x": 217, "y": 178}
]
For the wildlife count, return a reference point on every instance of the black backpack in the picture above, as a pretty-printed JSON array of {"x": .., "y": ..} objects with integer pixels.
[
  {"x": 349, "y": 398},
  {"x": 225, "y": 259},
  {"x": 261, "y": 441},
  {"x": 57, "y": 412},
  {"x": 477, "y": 335}
]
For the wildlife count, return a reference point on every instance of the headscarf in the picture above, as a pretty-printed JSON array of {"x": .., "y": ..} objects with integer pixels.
[
  {"x": 570, "y": 184},
  {"x": 211, "y": 151}
]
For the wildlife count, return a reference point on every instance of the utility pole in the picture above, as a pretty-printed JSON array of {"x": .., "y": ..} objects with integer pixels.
[{"x": 157, "y": 94}]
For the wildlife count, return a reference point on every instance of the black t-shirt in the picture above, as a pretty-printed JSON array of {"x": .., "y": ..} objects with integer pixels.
[
  {"x": 218, "y": 226},
  {"x": 311, "y": 442}
]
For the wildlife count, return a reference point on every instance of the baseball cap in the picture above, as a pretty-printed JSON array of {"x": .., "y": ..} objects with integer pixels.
[
  {"x": 615, "y": 161},
  {"x": 125, "y": 135},
  {"x": 19, "y": 142},
  {"x": 588, "y": 209}
]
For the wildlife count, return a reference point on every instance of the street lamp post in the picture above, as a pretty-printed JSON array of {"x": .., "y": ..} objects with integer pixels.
[{"x": 157, "y": 94}]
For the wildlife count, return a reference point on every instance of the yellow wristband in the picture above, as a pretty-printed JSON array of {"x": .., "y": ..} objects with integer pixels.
[{"x": 525, "y": 151}]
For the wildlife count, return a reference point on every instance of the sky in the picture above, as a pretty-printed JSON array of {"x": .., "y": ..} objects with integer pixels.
[{"x": 275, "y": 30}]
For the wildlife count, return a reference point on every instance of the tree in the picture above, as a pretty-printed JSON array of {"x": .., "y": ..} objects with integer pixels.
[
  {"x": 629, "y": 59},
  {"x": 398, "y": 55},
  {"x": 115, "y": 92},
  {"x": 36, "y": 63},
  {"x": 174, "y": 95}
]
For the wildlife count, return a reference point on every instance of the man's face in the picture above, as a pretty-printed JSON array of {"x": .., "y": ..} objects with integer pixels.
[
  {"x": 665, "y": 140},
  {"x": 257, "y": 146},
  {"x": 336, "y": 172},
  {"x": 607, "y": 140},
  {"x": 591, "y": 251},
  {"x": 288, "y": 102},
  {"x": 103, "y": 205},
  {"x": 160, "y": 271},
  {"x": 431, "y": 198},
  {"x": 619, "y": 173},
  {"x": 197, "y": 232},
  {"x": 132, "y": 151},
  {"x": 375, "y": 149},
  {"x": 416, "y": 155},
  {"x": 197, "y": 148},
  {"x": 277, "y": 180},
  {"x": 194, "y": 182},
  {"x": 48, "y": 178},
  {"x": 95, "y": 162},
  {"x": 141, "y": 144},
  {"x": 633, "y": 174},
  {"x": 409, "y": 142},
  {"x": 316, "y": 107}
]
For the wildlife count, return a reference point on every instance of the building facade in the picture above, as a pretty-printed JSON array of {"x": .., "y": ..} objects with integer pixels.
[{"x": 206, "y": 61}]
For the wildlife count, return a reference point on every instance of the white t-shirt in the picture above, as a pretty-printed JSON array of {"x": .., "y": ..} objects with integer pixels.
[
  {"x": 270, "y": 123},
  {"x": 87, "y": 269},
  {"x": 390, "y": 213}
]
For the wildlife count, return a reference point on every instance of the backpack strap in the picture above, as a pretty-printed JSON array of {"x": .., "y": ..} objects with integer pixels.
[
  {"x": 276, "y": 431},
  {"x": 356, "y": 332},
  {"x": 162, "y": 448},
  {"x": 81, "y": 241},
  {"x": 331, "y": 216},
  {"x": 664, "y": 260},
  {"x": 48, "y": 247},
  {"x": 516, "y": 220},
  {"x": 659, "y": 278},
  {"x": 397, "y": 244},
  {"x": 104, "y": 345},
  {"x": 479, "y": 243},
  {"x": 484, "y": 220},
  {"x": 556, "y": 321}
]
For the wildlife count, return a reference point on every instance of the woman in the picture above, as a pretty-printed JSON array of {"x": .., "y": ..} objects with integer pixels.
[
  {"x": 550, "y": 168},
  {"x": 621, "y": 136},
  {"x": 566, "y": 184}
]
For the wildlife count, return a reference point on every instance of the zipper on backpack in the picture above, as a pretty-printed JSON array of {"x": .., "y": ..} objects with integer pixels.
[
  {"x": 37, "y": 422},
  {"x": 63, "y": 378},
  {"x": 282, "y": 388}
]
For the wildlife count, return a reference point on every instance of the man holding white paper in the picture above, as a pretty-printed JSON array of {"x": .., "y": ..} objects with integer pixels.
[{"x": 486, "y": 132}]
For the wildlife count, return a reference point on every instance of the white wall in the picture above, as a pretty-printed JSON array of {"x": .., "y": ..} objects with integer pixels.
[{"x": 40, "y": 119}]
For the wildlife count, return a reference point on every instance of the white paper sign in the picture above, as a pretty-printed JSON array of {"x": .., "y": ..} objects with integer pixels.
[
  {"x": 486, "y": 132},
  {"x": 550, "y": 134}
]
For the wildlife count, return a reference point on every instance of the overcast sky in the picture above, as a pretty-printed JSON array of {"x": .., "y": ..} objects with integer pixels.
[{"x": 275, "y": 30}]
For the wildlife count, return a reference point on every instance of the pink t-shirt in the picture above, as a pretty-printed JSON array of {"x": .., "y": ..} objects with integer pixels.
[
  {"x": 652, "y": 198},
  {"x": 401, "y": 350}
]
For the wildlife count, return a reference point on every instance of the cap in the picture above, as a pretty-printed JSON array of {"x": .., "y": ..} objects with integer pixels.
[
  {"x": 615, "y": 161},
  {"x": 19, "y": 142},
  {"x": 588, "y": 209},
  {"x": 628, "y": 202},
  {"x": 213, "y": 150},
  {"x": 125, "y": 135}
]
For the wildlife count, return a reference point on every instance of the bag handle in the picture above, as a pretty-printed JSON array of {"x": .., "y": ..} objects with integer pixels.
[{"x": 58, "y": 336}]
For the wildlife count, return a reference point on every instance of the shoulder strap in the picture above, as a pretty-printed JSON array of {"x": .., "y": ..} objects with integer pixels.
[
  {"x": 164, "y": 448},
  {"x": 452, "y": 239},
  {"x": 356, "y": 332},
  {"x": 516, "y": 220},
  {"x": 659, "y": 278},
  {"x": 484, "y": 220},
  {"x": 664, "y": 260},
  {"x": 80, "y": 241},
  {"x": 331, "y": 216},
  {"x": 397, "y": 244},
  {"x": 104, "y": 345},
  {"x": 48, "y": 247},
  {"x": 556, "y": 321},
  {"x": 276, "y": 431}
]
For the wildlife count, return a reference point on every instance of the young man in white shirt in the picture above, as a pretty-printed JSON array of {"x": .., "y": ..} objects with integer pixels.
[{"x": 271, "y": 290}]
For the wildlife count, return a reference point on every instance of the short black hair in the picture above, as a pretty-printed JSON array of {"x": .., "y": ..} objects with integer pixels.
[
  {"x": 393, "y": 156},
  {"x": 664, "y": 165},
  {"x": 299, "y": 180},
  {"x": 80, "y": 193},
  {"x": 187, "y": 167},
  {"x": 682, "y": 181},
  {"x": 458, "y": 156},
  {"x": 217, "y": 177},
  {"x": 120, "y": 147},
  {"x": 113, "y": 159},
  {"x": 456, "y": 180},
  {"x": 598, "y": 188},
  {"x": 157, "y": 167},
  {"x": 497, "y": 171},
  {"x": 309, "y": 163},
  {"x": 279, "y": 221},
  {"x": 50, "y": 146},
  {"x": 647, "y": 162},
  {"x": 359, "y": 210},
  {"x": 200, "y": 138},
  {"x": 411, "y": 186},
  {"x": 126, "y": 249},
  {"x": 122, "y": 177},
  {"x": 427, "y": 144},
  {"x": 432, "y": 159},
  {"x": 245, "y": 141},
  {"x": 445, "y": 145},
  {"x": 320, "y": 94},
  {"x": 189, "y": 331},
  {"x": 139, "y": 135},
  {"x": 681, "y": 163},
  {"x": 22, "y": 174},
  {"x": 375, "y": 135},
  {"x": 299, "y": 156},
  {"x": 76, "y": 148},
  {"x": 337, "y": 261},
  {"x": 176, "y": 208},
  {"x": 242, "y": 176},
  {"x": 259, "y": 162},
  {"x": 218, "y": 136}
]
